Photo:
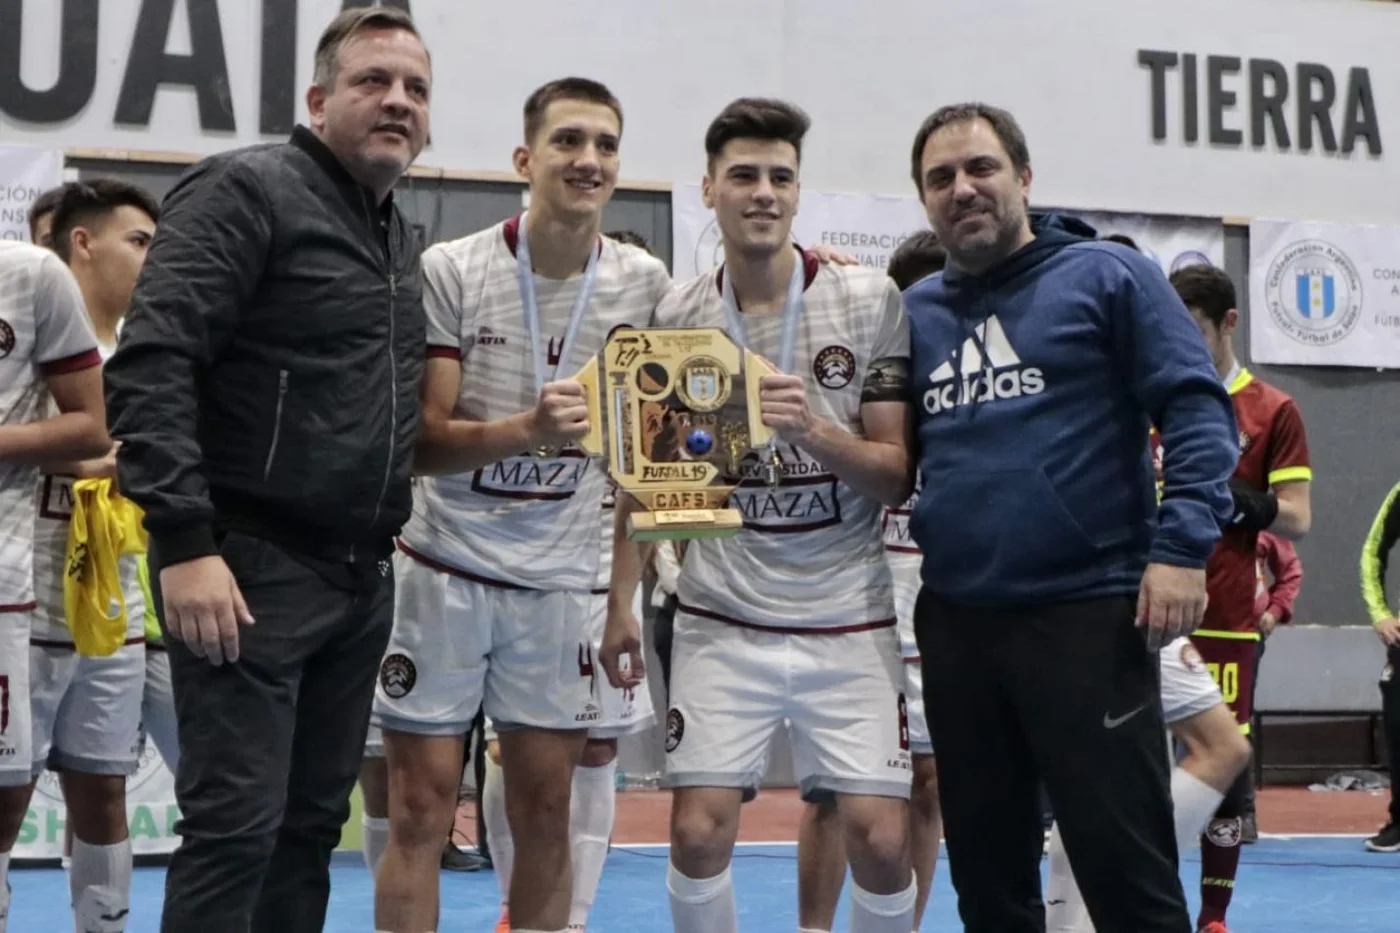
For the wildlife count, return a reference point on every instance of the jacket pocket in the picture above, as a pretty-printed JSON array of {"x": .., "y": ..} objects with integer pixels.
[
  {"x": 279, "y": 415},
  {"x": 993, "y": 532}
]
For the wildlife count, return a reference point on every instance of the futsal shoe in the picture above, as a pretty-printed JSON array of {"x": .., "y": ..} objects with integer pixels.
[
  {"x": 503, "y": 925},
  {"x": 1387, "y": 840},
  {"x": 1215, "y": 926}
]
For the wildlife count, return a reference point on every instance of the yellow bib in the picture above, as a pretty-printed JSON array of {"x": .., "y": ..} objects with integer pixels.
[{"x": 103, "y": 528}]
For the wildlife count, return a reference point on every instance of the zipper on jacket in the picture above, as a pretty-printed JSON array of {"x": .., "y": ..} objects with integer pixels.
[
  {"x": 393, "y": 403},
  {"x": 276, "y": 423}
]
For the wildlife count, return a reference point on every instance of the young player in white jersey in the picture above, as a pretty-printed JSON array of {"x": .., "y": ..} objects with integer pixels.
[
  {"x": 593, "y": 801},
  {"x": 87, "y": 710},
  {"x": 47, "y": 349},
  {"x": 792, "y": 618},
  {"x": 497, "y": 564},
  {"x": 821, "y": 856}
]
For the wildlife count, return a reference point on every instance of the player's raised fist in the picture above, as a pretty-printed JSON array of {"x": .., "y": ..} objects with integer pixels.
[{"x": 560, "y": 416}]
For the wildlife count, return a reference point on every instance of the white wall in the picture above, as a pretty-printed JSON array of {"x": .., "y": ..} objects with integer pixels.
[{"x": 868, "y": 72}]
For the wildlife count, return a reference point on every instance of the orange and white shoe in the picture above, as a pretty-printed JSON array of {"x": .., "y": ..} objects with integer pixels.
[
  {"x": 1215, "y": 926},
  {"x": 503, "y": 925}
]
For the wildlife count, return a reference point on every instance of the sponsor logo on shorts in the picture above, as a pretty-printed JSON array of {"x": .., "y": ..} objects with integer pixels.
[
  {"x": 834, "y": 367},
  {"x": 384, "y": 568},
  {"x": 1387, "y": 672},
  {"x": 675, "y": 729},
  {"x": 1224, "y": 833},
  {"x": 591, "y": 713},
  {"x": 1191, "y": 659},
  {"x": 903, "y": 723},
  {"x": 397, "y": 675}
]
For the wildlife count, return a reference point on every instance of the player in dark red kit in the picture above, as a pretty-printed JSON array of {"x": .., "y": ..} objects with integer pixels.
[{"x": 1271, "y": 489}]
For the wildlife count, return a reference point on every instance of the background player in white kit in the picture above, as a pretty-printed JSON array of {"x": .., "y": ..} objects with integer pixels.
[
  {"x": 497, "y": 564},
  {"x": 47, "y": 349},
  {"x": 821, "y": 854},
  {"x": 87, "y": 710},
  {"x": 593, "y": 800},
  {"x": 792, "y": 618}
]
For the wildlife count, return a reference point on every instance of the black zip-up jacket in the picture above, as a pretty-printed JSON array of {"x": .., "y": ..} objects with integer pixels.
[{"x": 267, "y": 375}]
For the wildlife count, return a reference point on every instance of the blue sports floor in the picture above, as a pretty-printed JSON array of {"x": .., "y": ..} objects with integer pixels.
[{"x": 1286, "y": 885}]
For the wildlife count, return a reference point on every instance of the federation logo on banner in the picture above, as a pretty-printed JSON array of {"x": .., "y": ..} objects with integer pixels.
[{"x": 1314, "y": 293}]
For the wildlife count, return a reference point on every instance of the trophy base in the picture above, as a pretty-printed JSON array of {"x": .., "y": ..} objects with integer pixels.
[{"x": 682, "y": 524}]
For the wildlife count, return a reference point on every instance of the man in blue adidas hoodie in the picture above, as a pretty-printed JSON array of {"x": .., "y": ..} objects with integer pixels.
[{"x": 1040, "y": 359}]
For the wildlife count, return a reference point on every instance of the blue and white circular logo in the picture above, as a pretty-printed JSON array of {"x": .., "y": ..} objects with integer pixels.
[{"x": 1314, "y": 293}]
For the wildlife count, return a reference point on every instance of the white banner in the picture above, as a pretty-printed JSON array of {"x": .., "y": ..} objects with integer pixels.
[
  {"x": 872, "y": 226},
  {"x": 1324, "y": 294},
  {"x": 25, "y": 173},
  {"x": 151, "y": 813}
]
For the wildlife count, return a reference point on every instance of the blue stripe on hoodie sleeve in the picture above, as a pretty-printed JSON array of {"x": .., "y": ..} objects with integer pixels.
[{"x": 1172, "y": 374}]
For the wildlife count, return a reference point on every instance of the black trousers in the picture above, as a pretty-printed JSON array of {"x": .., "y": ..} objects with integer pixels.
[
  {"x": 1390, "y": 719},
  {"x": 1067, "y": 695},
  {"x": 270, "y": 746}
]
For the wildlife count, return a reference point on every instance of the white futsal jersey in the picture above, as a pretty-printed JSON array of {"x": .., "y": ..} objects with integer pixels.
[
  {"x": 524, "y": 521},
  {"x": 905, "y": 563},
  {"x": 55, "y": 508},
  {"x": 44, "y": 330},
  {"x": 810, "y": 554}
]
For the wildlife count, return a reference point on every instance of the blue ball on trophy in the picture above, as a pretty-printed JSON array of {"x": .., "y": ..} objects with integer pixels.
[{"x": 699, "y": 442}]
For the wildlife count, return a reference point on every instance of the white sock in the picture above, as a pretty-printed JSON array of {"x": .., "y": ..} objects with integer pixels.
[
  {"x": 810, "y": 930},
  {"x": 498, "y": 838},
  {"x": 4, "y": 890},
  {"x": 1065, "y": 911},
  {"x": 883, "y": 913},
  {"x": 592, "y": 808},
  {"x": 1194, "y": 802},
  {"x": 101, "y": 886},
  {"x": 705, "y": 905},
  {"x": 376, "y": 841}
]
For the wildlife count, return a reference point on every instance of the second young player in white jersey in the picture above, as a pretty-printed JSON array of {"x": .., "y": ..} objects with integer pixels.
[
  {"x": 821, "y": 855},
  {"x": 87, "y": 710},
  {"x": 498, "y": 562},
  {"x": 47, "y": 349},
  {"x": 792, "y": 619}
]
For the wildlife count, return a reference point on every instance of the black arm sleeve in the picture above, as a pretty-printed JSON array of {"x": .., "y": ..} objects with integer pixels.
[{"x": 205, "y": 262}]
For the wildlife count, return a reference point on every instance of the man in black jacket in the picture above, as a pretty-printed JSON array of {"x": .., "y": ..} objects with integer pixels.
[{"x": 265, "y": 393}]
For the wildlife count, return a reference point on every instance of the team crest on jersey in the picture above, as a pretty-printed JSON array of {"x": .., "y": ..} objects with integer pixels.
[
  {"x": 397, "y": 675},
  {"x": 7, "y": 339},
  {"x": 834, "y": 367},
  {"x": 675, "y": 729},
  {"x": 1244, "y": 441},
  {"x": 1191, "y": 659},
  {"x": 702, "y": 384}
]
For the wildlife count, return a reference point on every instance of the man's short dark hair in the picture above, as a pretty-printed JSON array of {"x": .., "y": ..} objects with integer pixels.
[
  {"x": 630, "y": 237},
  {"x": 757, "y": 118},
  {"x": 1002, "y": 123},
  {"x": 44, "y": 205},
  {"x": 1124, "y": 239},
  {"x": 88, "y": 203},
  {"x": 918, "y": 256},
  {"x": 1206, "y": 289},
  {"x": 347, "y": 25},
  {"x": 584, "y": 89}
]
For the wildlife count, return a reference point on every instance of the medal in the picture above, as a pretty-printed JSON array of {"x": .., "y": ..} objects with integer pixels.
[
  {"x": 787, "y": 347},
  {"x": 525, "y": 273}
]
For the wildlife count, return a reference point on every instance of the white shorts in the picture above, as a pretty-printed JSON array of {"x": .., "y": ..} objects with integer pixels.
[
  {"x": 842, "y": 697},
  {"x": 87, "y": 711},
  {"x": 158, "y": 722},
  {"x": 622, "y": 712},
  {"x": 920, "y": 742},
  {"x": 16, "y": 729},
  {"x": 458, "y": 644},
  {"x": 1187, "y": 687}
]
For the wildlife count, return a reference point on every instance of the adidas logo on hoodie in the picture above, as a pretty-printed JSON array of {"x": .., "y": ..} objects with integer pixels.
[{"x": 989, "y": 369}]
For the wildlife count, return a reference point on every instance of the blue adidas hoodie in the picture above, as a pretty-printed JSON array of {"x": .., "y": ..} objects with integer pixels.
[{"x": 1035, "y": 386}]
